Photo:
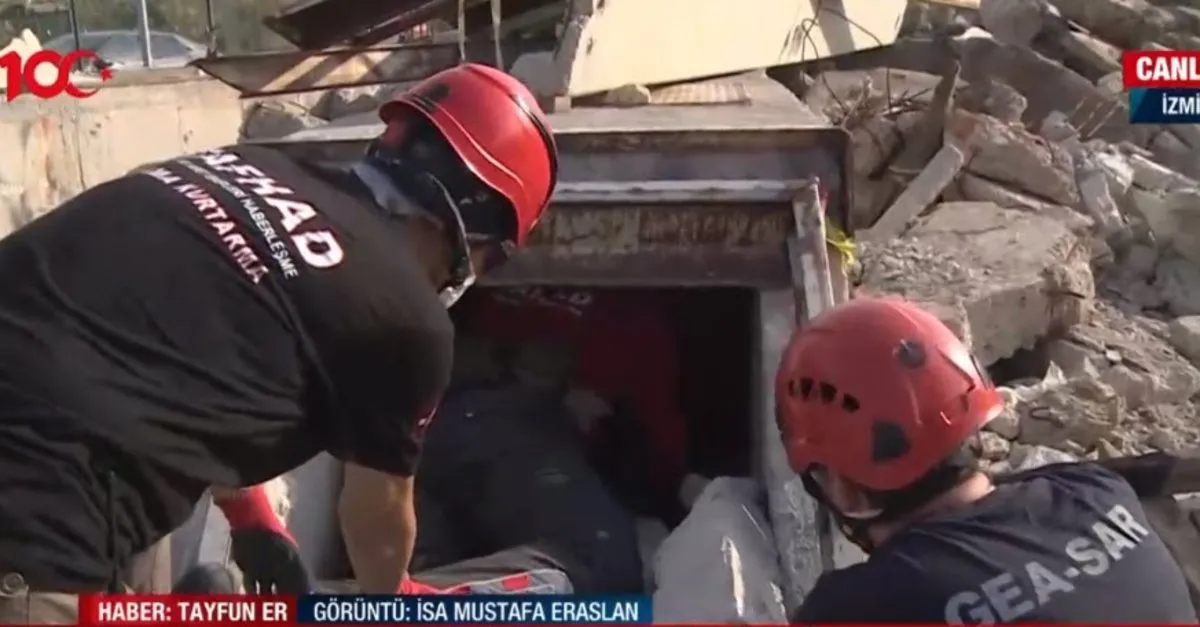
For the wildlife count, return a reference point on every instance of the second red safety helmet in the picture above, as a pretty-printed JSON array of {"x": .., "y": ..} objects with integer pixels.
[{"x": 880, "y": 392}]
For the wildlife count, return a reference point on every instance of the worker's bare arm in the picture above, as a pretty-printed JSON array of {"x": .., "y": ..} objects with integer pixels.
[{"x": 379, "y": 526}]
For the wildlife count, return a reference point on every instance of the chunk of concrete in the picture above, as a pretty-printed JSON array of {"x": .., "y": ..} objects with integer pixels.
[
  {"x": 1016, "y": 276},
  {"x": 1081, "y": 411},
  {"x": 1009, "y": 154},
  {"x": 1173, "y": 217},
  {"x": 993, "y": 98},
  {"x": 1096, "y": 197},
  {"x": 977, "y": 188},
  {"x": 720, "y": 565},
  {"x": 1126, "y": 23},
  {"x": 1121, "y": 351},
  {"x": 275, "y": 119},
  {"x": 1178, "y": 280},
  {"x": 1057, "y": 127},
  {"x": 1117, "y": 170},
  {"x": 1015, "y": 22},
  {"x": 1155, "y": 177},
  {"x": 1112, "y": 85},
  {"x": 872, "y": 144},
  {"x": 1185, "y": 337},
  {"x": 1092, "y": 57}
]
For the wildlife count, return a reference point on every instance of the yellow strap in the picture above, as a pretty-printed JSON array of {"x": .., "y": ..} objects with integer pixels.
[{"x": 843, "y": 243}]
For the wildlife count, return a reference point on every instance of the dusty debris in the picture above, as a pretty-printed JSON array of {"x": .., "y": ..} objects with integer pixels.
[
  {"x": 1132, "y": 355},
  {"x": 277, "y": 118},
  {"x": 1009, "y": 154},
  {"x": 997, "y": 181},
  {"x": 1016, "y": 276}
]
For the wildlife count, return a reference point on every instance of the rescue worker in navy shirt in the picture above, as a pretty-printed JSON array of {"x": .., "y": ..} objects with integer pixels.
[
  {"x": 219, "y": 319},
  {"x": 876, "y": 402}
]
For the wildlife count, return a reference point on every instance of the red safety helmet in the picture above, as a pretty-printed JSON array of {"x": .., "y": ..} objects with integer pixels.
[
  {"x": 495, "y": 125},
  {"x": 880, "y": 392}
]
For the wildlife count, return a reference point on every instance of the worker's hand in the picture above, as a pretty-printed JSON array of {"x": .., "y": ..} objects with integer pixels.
[
  {"x": 270, "y": 562},
  {"x": 409, "y": 586}
]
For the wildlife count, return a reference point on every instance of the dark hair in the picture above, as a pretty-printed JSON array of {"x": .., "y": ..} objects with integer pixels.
[{"x": 949, "y": 473}]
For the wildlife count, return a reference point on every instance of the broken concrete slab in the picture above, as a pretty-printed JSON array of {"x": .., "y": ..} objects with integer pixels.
[
  {"x": 1150, "y": 175},
  {"x": 1185, "y": 337},
  {"x": 1116, "y": 167},
  {"x": 1173, "y": 217},
  {"x": 1122, "y": 351},
  {"x": 1015, "y": 22},
  {"x": 872, "y": 144},
  {"x": 1096, "y": 196},
  {"x": 1016, "y": 276},
  {"x": 1009, "y": 154},
  {"x": 1126, "y": 23},
  {"x": 1186, "y": 17},
  {"x": 992, "y": 98},
  {"x": 1091, "y": 57},
  {"x": 1178, "y": 280},
  {"x": 971, "y": 187}
]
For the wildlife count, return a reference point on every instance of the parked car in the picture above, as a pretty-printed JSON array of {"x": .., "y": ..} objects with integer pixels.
[{"x": 123, "y": 48}]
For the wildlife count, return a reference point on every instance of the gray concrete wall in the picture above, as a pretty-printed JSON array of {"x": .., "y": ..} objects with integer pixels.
[{"x": 52, "y": 150}]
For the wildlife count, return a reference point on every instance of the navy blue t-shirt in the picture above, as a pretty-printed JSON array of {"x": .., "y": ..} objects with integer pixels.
[{"x": 1064, "y": 543}]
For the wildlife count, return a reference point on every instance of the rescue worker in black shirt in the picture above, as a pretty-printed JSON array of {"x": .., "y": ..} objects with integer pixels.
[
  {"x": 219, "y": 319},
  {"x": 876, "y": 402}
]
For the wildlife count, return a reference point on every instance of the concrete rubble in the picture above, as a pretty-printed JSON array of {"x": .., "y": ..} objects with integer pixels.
[
  {"x": 997, "y": 182},
  {"x": 1060, "y": 241}
]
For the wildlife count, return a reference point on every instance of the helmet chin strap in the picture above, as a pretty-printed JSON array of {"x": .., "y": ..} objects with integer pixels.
[
  {"x": 391, "y": 199},
  {"x": 852, "y": 525}
]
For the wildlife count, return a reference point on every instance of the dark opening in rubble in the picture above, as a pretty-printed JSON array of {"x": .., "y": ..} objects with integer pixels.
[
  {"x": 1027, "y": 365},
  {"x": 713, "y": 333}
]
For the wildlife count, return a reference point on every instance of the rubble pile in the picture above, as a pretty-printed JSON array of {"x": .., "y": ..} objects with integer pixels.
[{"x": 998, "y": 182}]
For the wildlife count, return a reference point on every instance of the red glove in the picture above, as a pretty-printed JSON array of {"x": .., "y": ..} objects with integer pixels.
[
  {"x": 410, "y": 586},
  {"x": 262, "y": 547},
  {"x": 250, "y": 508}
]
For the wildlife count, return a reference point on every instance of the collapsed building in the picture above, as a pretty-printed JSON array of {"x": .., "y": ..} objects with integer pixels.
[{"x": 929, "y": 162}]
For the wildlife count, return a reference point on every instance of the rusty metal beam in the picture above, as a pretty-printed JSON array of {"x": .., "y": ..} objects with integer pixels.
[{"x": 301, "y": 70}]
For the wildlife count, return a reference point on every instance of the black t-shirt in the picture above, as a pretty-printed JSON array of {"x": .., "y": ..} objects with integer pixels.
[
  {"x": 215, "y": 319},
  {"x": 1067, "y": 543}
]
